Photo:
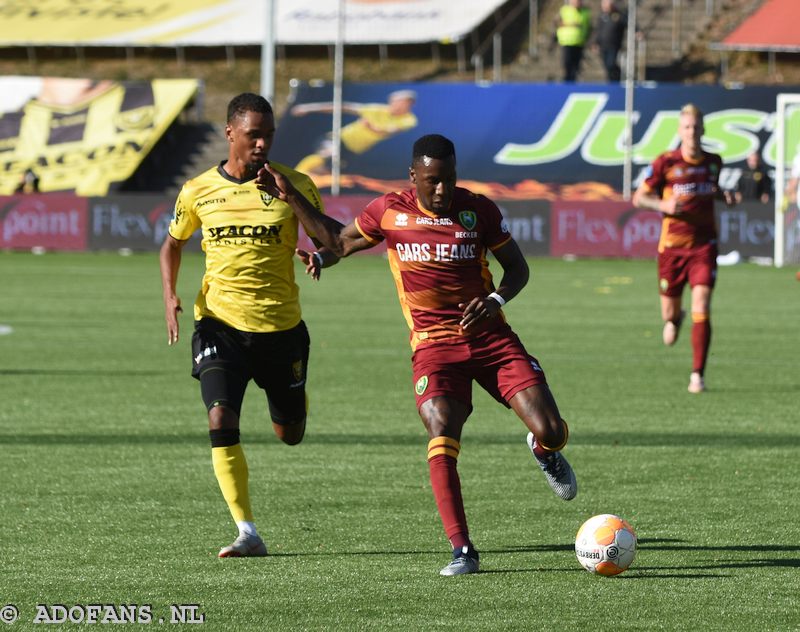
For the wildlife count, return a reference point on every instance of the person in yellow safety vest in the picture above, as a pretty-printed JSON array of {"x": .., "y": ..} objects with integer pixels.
[{"x": 573, "y": 27}]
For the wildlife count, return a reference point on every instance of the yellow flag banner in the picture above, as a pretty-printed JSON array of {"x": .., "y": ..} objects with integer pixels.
[{"x": 82, "y": 135}]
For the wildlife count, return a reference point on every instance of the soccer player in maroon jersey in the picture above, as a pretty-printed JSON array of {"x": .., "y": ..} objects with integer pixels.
[
  {"x": 438, "y": 236},
  {"x": 682, "y": 186}
]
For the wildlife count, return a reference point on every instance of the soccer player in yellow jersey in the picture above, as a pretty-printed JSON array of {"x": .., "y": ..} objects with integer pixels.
[
  {"x": 375, "y": 122},
  {"x": 248, "y": 324}
]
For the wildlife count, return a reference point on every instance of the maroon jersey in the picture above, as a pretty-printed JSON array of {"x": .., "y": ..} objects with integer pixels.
[
  {"x": 437, "y": 261},
  {"x": 695, "y": 185}
]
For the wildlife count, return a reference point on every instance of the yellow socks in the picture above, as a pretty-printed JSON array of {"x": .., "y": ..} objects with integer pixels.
[{"x": 230, "y": 467}]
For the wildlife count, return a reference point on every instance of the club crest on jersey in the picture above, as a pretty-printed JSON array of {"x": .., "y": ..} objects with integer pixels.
[
  {"x": 266, "y": 198},
  {"x": 297, "y": 370},
  {"x": 468, "y": 219},
  {"x": 421, "y": 385}
]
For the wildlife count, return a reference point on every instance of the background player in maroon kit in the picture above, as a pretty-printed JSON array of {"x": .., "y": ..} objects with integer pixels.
[
  {"x": 437, "y": 237},
  {"x": 682, "y": 187}
]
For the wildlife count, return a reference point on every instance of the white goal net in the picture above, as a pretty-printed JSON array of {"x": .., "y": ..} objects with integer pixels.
[{"x": 787, "y": 180}]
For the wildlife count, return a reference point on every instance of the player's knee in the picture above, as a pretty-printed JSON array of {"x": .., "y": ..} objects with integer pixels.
[
  {"x": 290, "y": 433},
  {"x": 222, "y": 417},
  {"x": 443, "y": 416}
]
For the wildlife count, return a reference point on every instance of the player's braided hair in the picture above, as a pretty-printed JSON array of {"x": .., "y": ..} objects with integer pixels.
[
  {"x": 433, "y": 146},
  {"x": 248, "y": 102}
]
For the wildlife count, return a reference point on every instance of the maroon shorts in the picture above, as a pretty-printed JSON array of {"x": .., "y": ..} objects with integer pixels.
[
  {"x": 496, "y": 360},
  {"x": 678, "y": 267}
]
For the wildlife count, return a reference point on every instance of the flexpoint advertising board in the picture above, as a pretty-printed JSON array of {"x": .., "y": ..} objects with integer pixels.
[
  {"x": 55, "y": 221},
  {"x": 543, "y": 228},
  {"x": 136, "y": 222}
]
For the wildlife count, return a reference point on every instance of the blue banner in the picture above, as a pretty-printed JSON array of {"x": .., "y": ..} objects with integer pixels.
[{"x": 521, "y": 141}]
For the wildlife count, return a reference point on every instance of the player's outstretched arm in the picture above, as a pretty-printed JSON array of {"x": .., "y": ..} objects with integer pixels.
[
  {"x": 515, "y": 276},
  {"x": 170, "y": 263},
  {"x": 322, "y": 257},
  {"x": 340, "y": 239}
]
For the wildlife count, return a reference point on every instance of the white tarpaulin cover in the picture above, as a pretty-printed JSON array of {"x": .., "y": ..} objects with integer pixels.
[{"x": 235, "y": 22}]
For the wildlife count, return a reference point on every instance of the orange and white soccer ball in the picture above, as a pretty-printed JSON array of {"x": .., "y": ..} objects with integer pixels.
[{"x": 605, "y": 544}]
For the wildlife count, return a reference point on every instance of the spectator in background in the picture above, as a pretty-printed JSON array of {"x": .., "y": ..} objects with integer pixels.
[
  {"x": 754, "y": 183},
  {"x": 573, "y": 27},
  {"x": 609, "y": 32},
  {"x": 29, "y": 182}
]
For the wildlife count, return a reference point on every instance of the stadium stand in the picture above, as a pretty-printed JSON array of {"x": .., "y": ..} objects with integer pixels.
[
  {"x": 772, "y": 29},
  {"x": 674, "y": 37},
  {"x": 185, "y": 150}
]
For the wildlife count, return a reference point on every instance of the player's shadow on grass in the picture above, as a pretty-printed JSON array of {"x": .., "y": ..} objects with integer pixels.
[
  {"x": 756, "y": 388},
  {"x": 684, "y": 571},
  {"x": 104, "y": 372},
  {"x": 621, "y": 439},
  {"x": 261, "y": 436},
  {"x": 53, "y": 438},
  {"x": 660, "y": 544},
  {"x": 663, "y": 544},
  {"x": 695, "y": 439}
]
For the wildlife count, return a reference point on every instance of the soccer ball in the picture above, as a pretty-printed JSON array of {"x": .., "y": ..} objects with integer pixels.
[{"x": 605, "y": 544}]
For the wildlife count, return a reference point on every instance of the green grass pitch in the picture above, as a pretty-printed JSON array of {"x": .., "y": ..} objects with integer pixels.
[{"x": 109, "y": 496}]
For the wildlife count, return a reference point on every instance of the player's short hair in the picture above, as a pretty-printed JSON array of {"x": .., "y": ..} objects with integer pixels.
[
  {"x": 248, "y": 102},
  {"x": 693, "y": 110},
  {"x": 402, "y": 94},
  {"x": 433, "y": 146}
]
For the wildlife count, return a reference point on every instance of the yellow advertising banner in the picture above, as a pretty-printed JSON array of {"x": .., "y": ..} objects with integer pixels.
[
  {"x": 236, "y": 22},
  {"x": 90, "y": 21},
  {"x": 82, "y": 135}
]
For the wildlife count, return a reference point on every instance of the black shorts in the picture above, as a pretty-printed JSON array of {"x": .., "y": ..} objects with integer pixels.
[{"x": 225, "y": 359}]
